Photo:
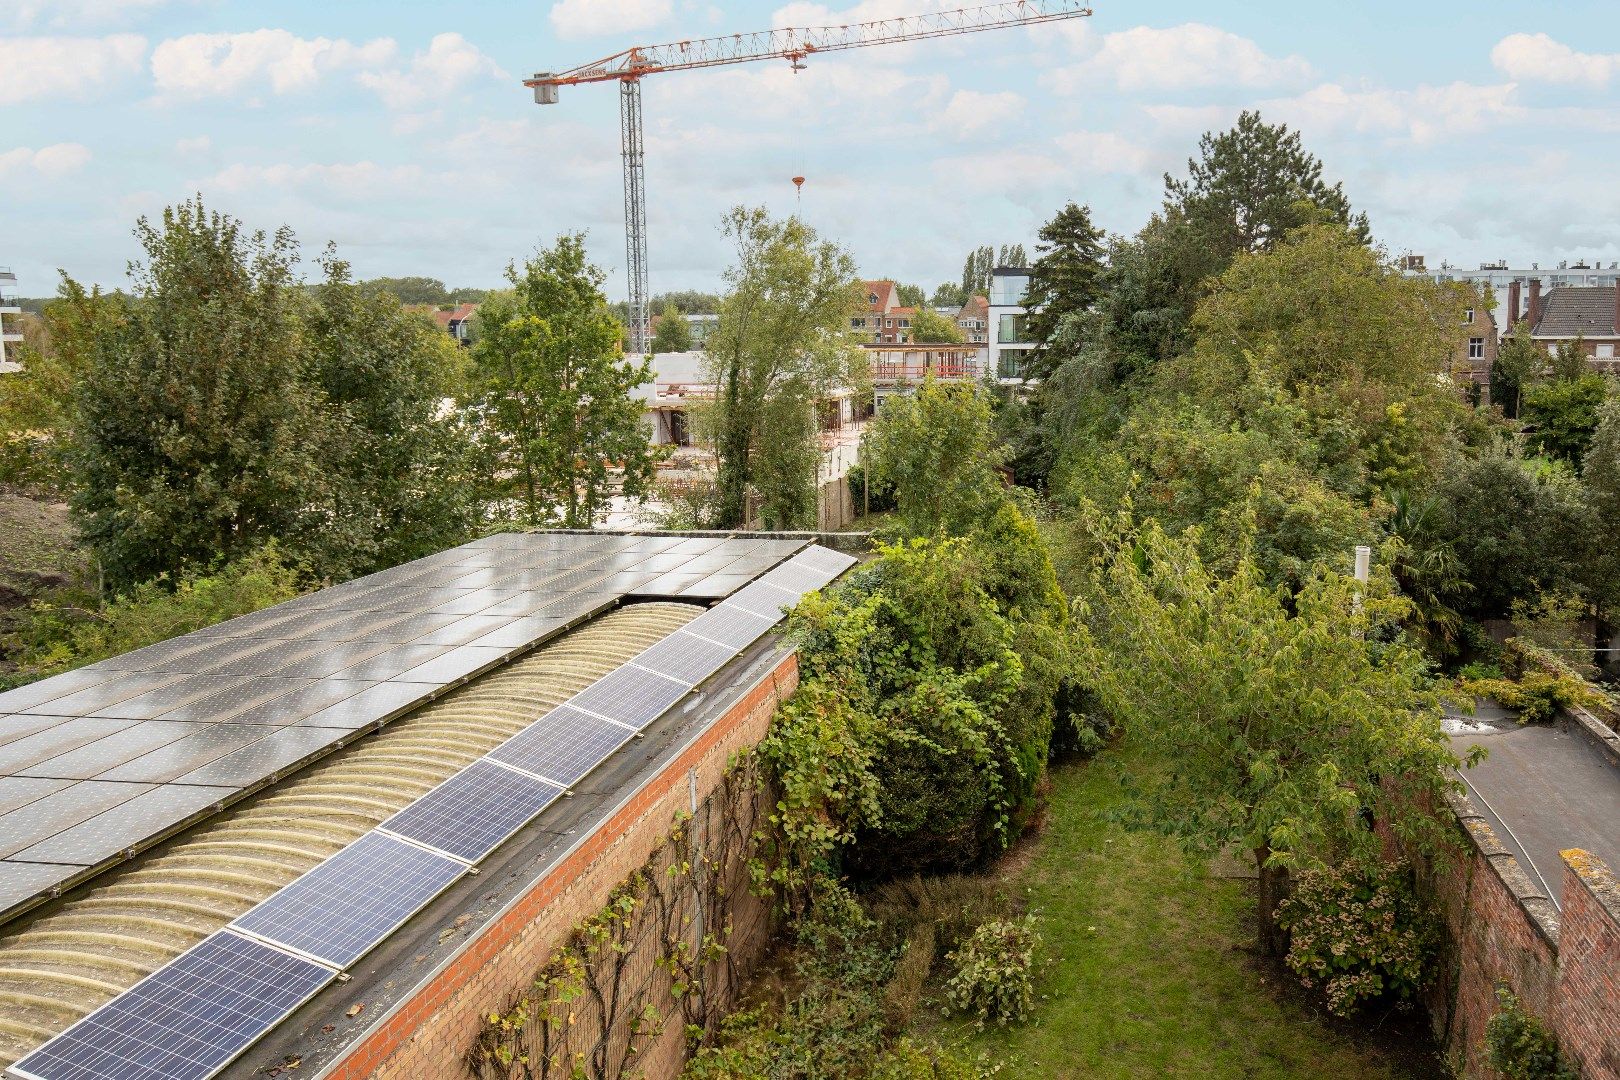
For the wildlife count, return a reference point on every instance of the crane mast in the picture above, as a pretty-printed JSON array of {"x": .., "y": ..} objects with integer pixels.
[{"x": 793, "y": 44}]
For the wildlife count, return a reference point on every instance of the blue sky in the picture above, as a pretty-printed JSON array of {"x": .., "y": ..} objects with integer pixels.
[{"x": 399, "y": 130}]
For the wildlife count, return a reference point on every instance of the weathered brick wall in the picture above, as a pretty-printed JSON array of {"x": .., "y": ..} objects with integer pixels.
[
  {"x": 1586, "y": 1011},
  {"x": 1501, "y": 928},
  {"x": 430, "y": 1036}
]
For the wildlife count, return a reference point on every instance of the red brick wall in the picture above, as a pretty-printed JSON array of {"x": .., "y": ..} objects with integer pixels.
[
  {"x": 1503, "y": 929},
  {"x": 429, "y": 1035}
]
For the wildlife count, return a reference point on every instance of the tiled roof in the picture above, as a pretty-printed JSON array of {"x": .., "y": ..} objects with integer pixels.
[
  {"x": 460, "y": 313},
  {"x": 1586, "y": 310},
  {"x": 977, "y": 307},
  {"x": 883, "y": 290}
]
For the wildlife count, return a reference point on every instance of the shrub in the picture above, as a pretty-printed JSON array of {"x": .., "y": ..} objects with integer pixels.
[
  {"x": 1536, "y": 696},
  {"x": 994, "y": 978},
  {"x": 1358, "y": 934},
  {"x": 866, "y": 491},
  {"x": 56, "y": 637},
  {"x": 1520, "y": 1047}
]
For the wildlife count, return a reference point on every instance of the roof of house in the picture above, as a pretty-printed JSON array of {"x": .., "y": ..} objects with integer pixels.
[
  {"x": 459, "y": 313},
  {"x": 977, "y": 307},
  {"x": 1577, "y": 310},
  {"x": 883, "y": 291}
]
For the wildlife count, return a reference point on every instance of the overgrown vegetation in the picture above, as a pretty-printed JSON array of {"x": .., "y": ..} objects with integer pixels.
[{"x": 1520, "y": 1046}]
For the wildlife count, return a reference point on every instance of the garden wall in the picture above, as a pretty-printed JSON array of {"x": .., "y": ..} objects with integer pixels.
[
  {"x": 647, "y": 926},
  {"x": 1502, "y": 929}
]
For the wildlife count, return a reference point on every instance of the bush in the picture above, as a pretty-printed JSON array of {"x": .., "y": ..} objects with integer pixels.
[
  {"x": 869, "y": 492},
  {"x": 994, "y": 978},
  {"x": 1536, "y": 696},
  {"x": 1520, "y": 1047},
  {"x": 56, "y": 637},
  {"x": 1358, "y": 935}
]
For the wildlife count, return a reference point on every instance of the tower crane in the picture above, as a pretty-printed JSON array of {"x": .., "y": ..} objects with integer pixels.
[{"x": 793, "y": 44}]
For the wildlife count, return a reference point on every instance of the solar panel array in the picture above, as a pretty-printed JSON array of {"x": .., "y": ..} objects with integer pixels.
[
  {"x": 199, "y": 1012},
  {"x": 93, "y": 762}
]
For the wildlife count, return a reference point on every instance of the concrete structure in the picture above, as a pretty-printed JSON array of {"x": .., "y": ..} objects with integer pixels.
[
  {"x": 1500, "y": 276},
  {"x": 899, "y": 369},
  {"x": 10, "y": 331},
  {"x": 1010, "y": 343}
]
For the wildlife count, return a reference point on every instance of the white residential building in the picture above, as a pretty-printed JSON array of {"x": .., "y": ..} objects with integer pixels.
[
  {"x": 10, "y": 330},
  {"x": 1010, "y": 343},
  {"x": 1501, "y": 277}
]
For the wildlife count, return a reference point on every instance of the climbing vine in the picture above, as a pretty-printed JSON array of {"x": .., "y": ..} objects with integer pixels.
[{"x": 657, "y": 953}]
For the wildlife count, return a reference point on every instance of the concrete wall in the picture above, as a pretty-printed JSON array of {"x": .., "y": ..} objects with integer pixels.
[
  {"x": 430, "y": 1036},
  {"x": 1502, "y": 929}
]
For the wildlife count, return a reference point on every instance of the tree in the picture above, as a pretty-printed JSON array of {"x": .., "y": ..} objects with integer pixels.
[
  {"x": 1064, "y": 280},
  {"x": 411, "y": 290},
  {"x": 197, "y": 436},
  {"x": 948, "y": 294},
  {"x": 401, "y": 478},
  {"x": 1280, "y": 722},
  {"x": 976, "y": 270},
  {"x": 554, "y": 390},
  {"x": 1600, "y": 475},
  {"x": 1012, "y": 255},
  {"x": 673, "y": 333},
  {"x": 1569, "y": 360},
  {"x": 1253, "y": 185},
  {"x": 1519, "y": 363},
  {"x": 1562, "y": 413},
  {"x": 938, "y": 449},
  {"x": 930, "y": 327},
  {"x": 782, "y": 344},
  {"x": 909, "y": 295}
]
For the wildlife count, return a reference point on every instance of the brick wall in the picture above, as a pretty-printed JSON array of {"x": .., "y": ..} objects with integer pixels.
[
  {"x": 428, "y": 1037},
  {"x": 1503, "y": 929}
]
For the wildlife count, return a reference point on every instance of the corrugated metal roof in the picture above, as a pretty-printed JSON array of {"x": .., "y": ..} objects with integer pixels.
[{"x": 59, "y": 965}]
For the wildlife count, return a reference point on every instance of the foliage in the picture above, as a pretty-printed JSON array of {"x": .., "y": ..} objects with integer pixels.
[
  {"x": 561, "y": 430},
  {"x": 948, "y": 294},
  {"x": 1563, "y": 414},
  {"x": 1519, "y": 528},
  {"x": 1282, "y": 719},
  {"x": 1519, "y": 363},
  {"x": 1359, "y": 934},
  {"x": 1521, "y": 1046},
  {"x": 976, "y": 271},
  {"x": 1568, "y": 360},
  {"x": 59, "y": 635},
  {"x": 994, "y": 971},
  {"x": 909, "y": 295},
  {"x": 781, "y": 345},
  {"x": 871, "y": 494},
  {"x": 688, "y": 302},
  {"x": 423, "y": 290},
  {"x": 1536, "y": 695},
  {"x": 36, "y": 402},
  {"x": 673, "y": 333},
  {"x": 1064, "y": 280},
  {"x": 936, "y": 448},
  {"x": 929, "y": 327},
  {"x": 1424, "y": 563},
  {"x": 1600, "y": 479}
]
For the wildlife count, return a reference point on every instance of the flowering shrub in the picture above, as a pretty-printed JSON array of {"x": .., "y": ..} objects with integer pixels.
[
  {"x": 992, "y": 979},
  {"x": 1357, "y": 934}
]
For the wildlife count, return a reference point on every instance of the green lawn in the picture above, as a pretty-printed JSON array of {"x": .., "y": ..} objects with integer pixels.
[{"x": 1150, "y": 969}]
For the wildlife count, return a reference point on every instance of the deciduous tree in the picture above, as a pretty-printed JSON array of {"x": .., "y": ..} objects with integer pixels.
[
  {"x": 930, "y": 327},
  {"x": 673, "y": 333},
  {"x": 938, "y": 449},
  {"x": 554, "y": 388}
]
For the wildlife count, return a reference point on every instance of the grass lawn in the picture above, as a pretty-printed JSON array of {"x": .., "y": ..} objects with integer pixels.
[{"x": 1151, "y": 970}]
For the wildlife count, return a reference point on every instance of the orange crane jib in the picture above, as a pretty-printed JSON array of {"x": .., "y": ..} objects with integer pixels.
[{"x": 793, "y": 44}]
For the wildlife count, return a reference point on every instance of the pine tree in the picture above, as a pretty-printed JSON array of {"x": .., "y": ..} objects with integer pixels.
[{"x": 1064, "y": 280}]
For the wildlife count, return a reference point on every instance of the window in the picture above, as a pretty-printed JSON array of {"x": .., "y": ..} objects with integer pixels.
[
  {"x": 1604, "y": 352},
  {"x": 1011, "y": 330},
  {"x": 1476, "y": 348},
  {"x": 1010, "y": 364},
  {"x": 1468, "y": 316},
  {"x": 905, "y": 324},
  {"x": 888, "y": 324},
  {"x": 857, "y": 324},
  {"x": 871, "y": 298}
]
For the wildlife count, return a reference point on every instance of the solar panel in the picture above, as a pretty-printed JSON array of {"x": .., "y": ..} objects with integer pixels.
[
  {"x": 766, "y": 600},
  {"x": 343, "y": 907},
  {"x": 470, "y": 814},
  {"x": 185, "y": 1021},
  {"x": 825, "y": 560},
  {"x": 125, "y": 826},
  {"x": 796, "y": 577},
  {"x": 686, "y": 657},
  {"x": 631, "y": 696},
  {"x": 563, "y": 745},
  {"x": 730, "y": 626}
]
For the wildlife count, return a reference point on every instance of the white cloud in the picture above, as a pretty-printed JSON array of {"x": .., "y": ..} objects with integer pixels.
[
  {"x": 198, "y": 145},
  {"x": 202, "y": 65},
  {"x": 1103, "y": 152},
  {"x": 1189, "y": 56},
  {"x": 1539, "y": 58},
  {"x": 48, "y": 161},
  {"x": 970, "y": 112},
  {"x": 80, "y": 13},
  {"x": 450, "y": 62},
  {"x": 590, "y": 18},
  {"x": 70, "y": 67},
  {"x": 360, "y": 180}
]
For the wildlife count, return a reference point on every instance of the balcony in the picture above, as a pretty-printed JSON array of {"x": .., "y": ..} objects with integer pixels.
[{"x": 893, "y": 367}]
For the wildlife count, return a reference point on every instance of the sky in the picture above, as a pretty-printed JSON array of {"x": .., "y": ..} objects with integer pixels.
[{"x": 400, "y": 131}]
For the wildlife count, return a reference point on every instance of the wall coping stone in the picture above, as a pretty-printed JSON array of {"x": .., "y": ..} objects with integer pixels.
[{"x": 1536, "y": 904}]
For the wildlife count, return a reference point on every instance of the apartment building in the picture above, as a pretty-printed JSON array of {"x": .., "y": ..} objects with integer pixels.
[
  {"x": 10, "y": 327},
  {"x": 1010, "y": 342},
  {"x": 1587, "y": 314},
  {"x": 1500, "y": 277}
]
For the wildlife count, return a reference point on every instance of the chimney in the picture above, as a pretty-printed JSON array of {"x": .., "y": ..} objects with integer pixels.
[
  {"x": 1512, "y": 304},
  {"x": 1535, "y": 303}
]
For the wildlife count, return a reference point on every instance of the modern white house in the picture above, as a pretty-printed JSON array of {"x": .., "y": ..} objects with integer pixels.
[
  {"x": 10, "y": 331},
  {"x": 1010, "y": 342}
]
